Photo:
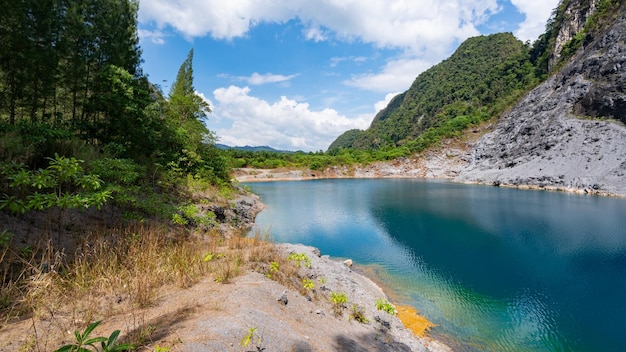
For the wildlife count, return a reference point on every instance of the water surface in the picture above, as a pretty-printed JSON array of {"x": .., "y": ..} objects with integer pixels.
[{"x": 498, "y": 269}]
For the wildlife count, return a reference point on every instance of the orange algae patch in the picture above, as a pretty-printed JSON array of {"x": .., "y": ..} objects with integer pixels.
[{"x": 415, "y": 322}]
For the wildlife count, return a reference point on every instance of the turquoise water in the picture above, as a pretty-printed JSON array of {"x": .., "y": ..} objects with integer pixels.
[{"x": 498, "y": 269}]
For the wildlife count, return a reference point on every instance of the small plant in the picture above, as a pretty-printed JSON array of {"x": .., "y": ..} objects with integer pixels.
[
  {"x": 110, "y": 345},
  {"x": 300, "y": 258},
  {"x": 158, "y": 348},
  {"x": 384, "y": 305},
  {"x": 322, "y": 280},
  {"x": 274, "y": 267},
  {"x": 179, "y": 219},
  {"x": 308, "y": 284},
  {"x": 5, "y": 238},
  {"x": 85, "y": 343},
  {"x": 245, "y": 341},
  {"x": 339, "y": 300},
  {"x": 210, "y": 256},
  {"x": 358, "y": 314}
]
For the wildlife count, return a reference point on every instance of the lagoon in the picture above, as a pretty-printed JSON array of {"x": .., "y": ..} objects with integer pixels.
[{"x": 497, "y": 269}]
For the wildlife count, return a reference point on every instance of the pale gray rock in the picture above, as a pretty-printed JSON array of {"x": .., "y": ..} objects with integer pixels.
[{"x": 569, "y": 132}]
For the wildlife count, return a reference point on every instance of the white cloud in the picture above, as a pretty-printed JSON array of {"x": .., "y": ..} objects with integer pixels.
[
  {"x": 284, "y": 124},
  {"x": 315, "y": 34},
  {"x": 537, "y": 13},
  {"x": 383, "y": 103},
  {"x": 156, "y": 37},
  {"x": 257, "y": 79},
  {"x": 411, "y": 24},
  {"x": 334, "y": 61},
  {"x": 397, "y": 75}
]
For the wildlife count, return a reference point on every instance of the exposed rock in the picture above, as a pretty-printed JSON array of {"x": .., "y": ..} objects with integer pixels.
[
  {"x": 348, "y": 262},
  {"x": 283, "y": 298},
  {"x": 575, "y": 16},
  {"x": 559, "y": 136},
  {"x": 240, "y": 213}
]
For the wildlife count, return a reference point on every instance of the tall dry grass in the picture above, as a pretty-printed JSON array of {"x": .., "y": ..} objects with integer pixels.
[{"x": 130, "y": 265}]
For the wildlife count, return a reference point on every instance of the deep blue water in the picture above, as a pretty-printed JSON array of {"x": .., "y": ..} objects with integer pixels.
[{"x": 498, "y": 269}]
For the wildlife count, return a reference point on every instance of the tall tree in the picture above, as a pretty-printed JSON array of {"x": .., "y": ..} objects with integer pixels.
[
  {"x": 185, "y": 104},
  {"x": 186, "y": 108},
  {"x": 186, "y": 112}
]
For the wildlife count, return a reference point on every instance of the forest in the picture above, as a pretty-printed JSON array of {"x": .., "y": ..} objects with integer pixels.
[
  {"x": 76, "y": 108},
  {"x": 100, "y": 171}
]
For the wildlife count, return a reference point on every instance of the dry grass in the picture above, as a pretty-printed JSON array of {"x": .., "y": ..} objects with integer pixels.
[{"x": 121, "y": 271}]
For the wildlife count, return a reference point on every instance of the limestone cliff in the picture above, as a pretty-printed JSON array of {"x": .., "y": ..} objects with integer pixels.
[
  {"x": 568, "y": 132},
  {"x": 574, "y": 16}
]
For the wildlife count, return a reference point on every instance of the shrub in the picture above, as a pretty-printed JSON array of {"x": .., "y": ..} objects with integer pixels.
[
  {"x": 299, "y": 258},
  {"x": 339, "y": 301},
  {"x": 384, "y": 305},
  {"x": 358, "y": 314}
]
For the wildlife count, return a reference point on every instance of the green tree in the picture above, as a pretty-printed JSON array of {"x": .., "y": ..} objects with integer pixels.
[{"x": 186, "y": 112}]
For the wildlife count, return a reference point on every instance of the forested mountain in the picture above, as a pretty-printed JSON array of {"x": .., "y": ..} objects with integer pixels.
[
  {"x": 479, "y": 80},
  {"x": 485, "y": 75}
]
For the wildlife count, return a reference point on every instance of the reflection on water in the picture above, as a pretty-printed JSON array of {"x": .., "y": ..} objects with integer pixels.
[{"x": 497, "y": 269}]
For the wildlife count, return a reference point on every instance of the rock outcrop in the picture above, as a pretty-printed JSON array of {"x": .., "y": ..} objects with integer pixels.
[
  {"x": 575, "y": 15},
  {"x": 567, "y": 133}
]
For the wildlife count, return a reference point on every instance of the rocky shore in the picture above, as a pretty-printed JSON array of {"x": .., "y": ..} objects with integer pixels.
[{"x": 286, "y": 320}]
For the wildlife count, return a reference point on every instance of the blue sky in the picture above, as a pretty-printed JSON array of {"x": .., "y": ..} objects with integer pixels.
[{"x": 295, "y": 74}]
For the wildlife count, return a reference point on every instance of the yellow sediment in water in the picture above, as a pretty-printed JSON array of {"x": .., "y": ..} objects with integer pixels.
[
  {"x": 408, "y": 315},
  {"x": 415, "y": 322}
]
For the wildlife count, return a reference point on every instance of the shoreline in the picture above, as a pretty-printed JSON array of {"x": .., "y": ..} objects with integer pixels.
[
  {"x": 409, "y": 317},
  {"x": 275, "y": 175},
  {"x": 408, "y": 327}
]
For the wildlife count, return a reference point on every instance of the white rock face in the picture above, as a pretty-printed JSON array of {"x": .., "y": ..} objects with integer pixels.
[{"x": 575, "y": 17}]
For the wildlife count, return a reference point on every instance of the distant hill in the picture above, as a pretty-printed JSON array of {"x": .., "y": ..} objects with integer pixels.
[{"x": 248, "y": 148}]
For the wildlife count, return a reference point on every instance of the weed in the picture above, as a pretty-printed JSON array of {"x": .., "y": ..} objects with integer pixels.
[
  {"x": 308, "y": 284},
  {"x": 274, "y": 267},
  {"x": 245, "y": 341},
  {"x": 358, "y": 314},
  {"x": 338, "y": 300},
  {"x": 299, "y": 258},
  {"x": 210, "y": 256},
  {"x": 179, "y": 219},
  {"x": 384, "y": 305},
  {"x": 5, "y": 238},
  {"x": 84, "y": 340}
]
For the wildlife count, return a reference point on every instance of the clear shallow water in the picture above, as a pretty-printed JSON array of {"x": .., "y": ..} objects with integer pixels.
[{"x": 498, "y": 269}]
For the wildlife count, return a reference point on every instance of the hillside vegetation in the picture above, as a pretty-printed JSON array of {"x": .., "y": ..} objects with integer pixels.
[
  {"x": 478, "y": 81},
  {"x": 484, "y": 76}
]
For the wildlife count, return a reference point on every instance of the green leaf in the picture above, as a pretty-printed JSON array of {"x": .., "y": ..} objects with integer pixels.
[
  {"x": 95, "y": 340},
  {"x": 90, "y": 328}
]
